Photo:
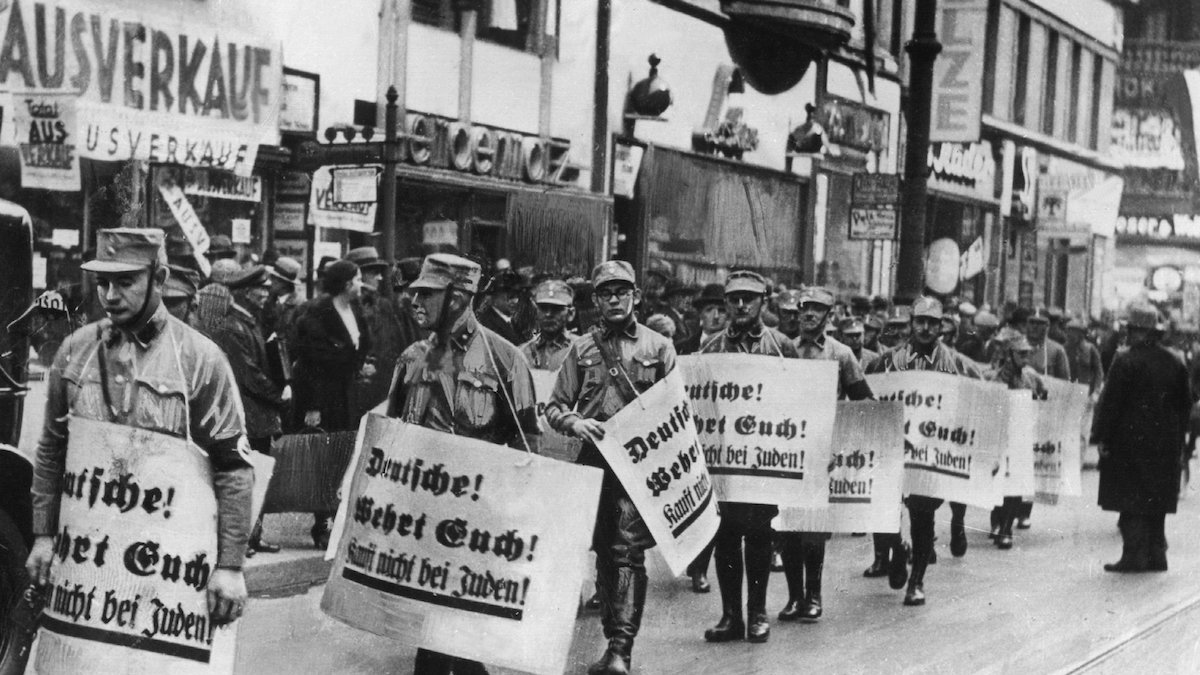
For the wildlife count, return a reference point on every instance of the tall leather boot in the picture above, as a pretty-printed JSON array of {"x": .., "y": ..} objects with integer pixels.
[
  {"x": 814, "y": 562},
  {"x": 922, "y": 545},
  {"x": 879, "y": 567},
  {"x": 997, "y": 518},
  {"x": 958, "y": 530},
  {"x": 629, "y": 600},
  {"x": 728, "y": 556},
  {"x": 758, "y": 574},
  {"x": 791, "y": 549}
]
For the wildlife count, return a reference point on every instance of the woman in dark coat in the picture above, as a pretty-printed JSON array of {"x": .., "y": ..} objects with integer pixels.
[
  {"x": 332, "y": 342},
  {"x": 1139, "y": 427}
]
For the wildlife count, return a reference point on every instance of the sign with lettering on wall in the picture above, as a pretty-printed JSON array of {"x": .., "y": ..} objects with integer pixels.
[
  {"x": 957, "y": 103},
  {"x": 874, "y": 206}
]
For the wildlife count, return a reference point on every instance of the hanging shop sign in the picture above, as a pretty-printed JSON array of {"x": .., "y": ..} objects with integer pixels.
[
  {"x": 221, "y": 185},
  {"x": 874, "y": 206},
  {"x": 957, "y": 102},
  {"x": 849, "y": 124},
  {"x": 176, "y": 87},
  {"x": 325, "y": 211},
  {"x": 1075, "y": 198},
  {"x": 963, "y": 169},
  {"x": 301, "y": 101},
  {"x": 46, "y": 136}
]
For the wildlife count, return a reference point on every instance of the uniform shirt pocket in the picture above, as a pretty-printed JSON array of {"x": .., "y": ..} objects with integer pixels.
[
  {"x": 476, "y": 398},
  {"x": 159, "y": 403},
  {"x": 645, "y": 371}
]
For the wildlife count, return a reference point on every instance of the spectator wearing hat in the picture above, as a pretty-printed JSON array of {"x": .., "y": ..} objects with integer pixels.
[
  {"x": 283, "y": 299},
  {"x": 493, "y": 399},
  {"x": 100, "y": 374},
  {"x": 230, "y": 322},
  {"x": 1014, "y": 372},
  {"x": 949, "y": 330},
  {"x": 1083, "y": 359},
  {"x": 502, "y": 301},
  {"x": 850, "y": 333},
  {"x": 1139, "y": 428},
  {"x": 398, "y": 328},
  {"x": 712, "y": 318},
  {"x": 803, "y": 553},
  {"x": 1057, "y": 329},
  {"x": 676, "y": 306},
  {"x": 179, "y": 292},
  {"x": 332, "y": 344},
  {"x": 555, "y": 302},
  {"x": 373, "y": 304},
  {"x": 220, "y": 247},
  {"x": 745, "y": 296},
  {"x": 924, "y": 351},
  {"x": 975, "y": 344},
  {"x": 585, "y": 396},
  {"x": 788, "y": 305}
]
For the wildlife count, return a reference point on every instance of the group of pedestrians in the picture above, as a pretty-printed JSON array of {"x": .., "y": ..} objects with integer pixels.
[{"x": 443, "y": 348}]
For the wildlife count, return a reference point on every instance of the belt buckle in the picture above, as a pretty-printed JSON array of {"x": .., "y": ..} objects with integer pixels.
[{"x": 613, "y": 371}]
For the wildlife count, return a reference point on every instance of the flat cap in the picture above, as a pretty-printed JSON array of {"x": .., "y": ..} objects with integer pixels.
[
  {"x": 446, "y": 270},
  {"x": 224, "y": 271},
  {"x": 554, "y": 292},
  {"x": 258, "y": 275},
  {"x": 127, "y": 249},
  {"x": 745, "y": 281},
  {"x": 613, "y": 270}
]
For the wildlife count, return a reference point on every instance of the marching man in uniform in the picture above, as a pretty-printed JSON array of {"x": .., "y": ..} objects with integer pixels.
[
  {"x": 555, "y": 302},
  {"x": 603, "y": 372},
  {"x": 745, "y": 295},
  {"x": 463, "y": 379},
  {"x": 100, "y": 373}
]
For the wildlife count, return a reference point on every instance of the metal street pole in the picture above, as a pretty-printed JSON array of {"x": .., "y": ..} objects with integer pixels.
[
  {"x": 387, "y": 196},
  {"x": 922, "y": 51}
]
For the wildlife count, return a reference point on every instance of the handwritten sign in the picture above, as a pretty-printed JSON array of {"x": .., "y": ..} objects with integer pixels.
[
  {"x": 651, "y": 446},
  {"x": 552, "y": 443},
  {"x": 954, "y": 433},
  {"x": 765, "y": 440},
  {"x": 865, "y": 473},
  {"x": 447, "y": 544},
  {"x": 189, "y": 222},
  {"x": 48, "y": 141},
  {"x": 136, "y": 547}
]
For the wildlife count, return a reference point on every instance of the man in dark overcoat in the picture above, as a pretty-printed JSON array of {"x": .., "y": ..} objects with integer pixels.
[{"x": 1139, "y": 428}]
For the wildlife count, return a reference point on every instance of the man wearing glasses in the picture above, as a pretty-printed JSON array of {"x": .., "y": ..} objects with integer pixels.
[{"x": 602, "y": 372}]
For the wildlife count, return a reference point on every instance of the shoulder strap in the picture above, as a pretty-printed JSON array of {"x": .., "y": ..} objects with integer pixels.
[{"x": 616, "y": 372}]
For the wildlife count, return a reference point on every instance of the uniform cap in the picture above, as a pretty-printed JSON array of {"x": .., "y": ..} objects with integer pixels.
[
  {"x": 745, "y": 281},
  {"x": 1077, "y": 324},
  {"x": 252, "y": 277},
  {"x": 127, "y": 249},
  {"x": 553, "y": 292},
  {"x": 613, "y": 270},
  {"x": 927, "y": 306},
  {"x": 987, "y": 320},
  {"x": 366, "y": 257},
  {"x": 851, "y": 326},
  {"x": 1014, "y": 340},
  {"x": 967, "y": 309},
  {"x": 872, "y": 322},
  {"x": 1040, "y": 316},
  {"x": 446, "y": 270},
  {"x": 1055, "y": 313},
  {"x": 821, "y": 296},
  {"x": 182, "y": 283},
  {"x": 285, "y": 269},
  {"x": 788, "y": 300}
]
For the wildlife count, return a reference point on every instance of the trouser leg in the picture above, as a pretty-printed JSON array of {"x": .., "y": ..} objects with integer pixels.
[
  {"x": 792, "y": 552},
  {"x": 728, "y": 555},
  {"x": 921, "y": 514}
]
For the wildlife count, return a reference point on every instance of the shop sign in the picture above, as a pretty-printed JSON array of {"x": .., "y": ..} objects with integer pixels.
[
  {"x": 1146, "y": 139},
  {"x": 1178, "y": 226},
  {"x": 967, "y": 169},
  {"x": 487, "y": 151},
  {"x": 440, "y": 233},
  {"x": 289, "y": 217},
  {"x": 174, "y": 87},
  {"x": 957, "y": 103},
  {"x": 355, "y": 185},
  {"x": 221, "y": 185},
  {"x": 874, "y": 206},
  {"x": 301, "y": 98},
  {"x": 325, "y": 211},
  {"x": 627, "y": 162},
  {"x": 852, "y": 125},
  {"x": 1075, "y": 198},
  {"x": 47, "y": 139},
  {"x": 970, "y": 262}
]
